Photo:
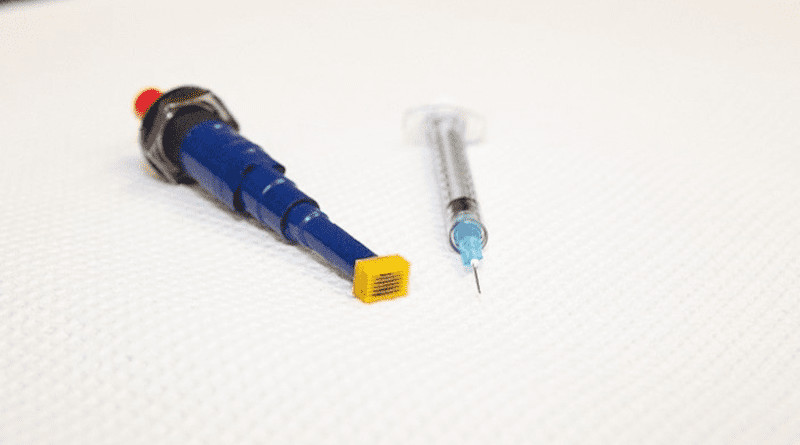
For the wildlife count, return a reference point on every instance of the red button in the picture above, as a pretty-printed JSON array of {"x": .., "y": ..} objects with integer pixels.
[{"x": 144, "y": 100}]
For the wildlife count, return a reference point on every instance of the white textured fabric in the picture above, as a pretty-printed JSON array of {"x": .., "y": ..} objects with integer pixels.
[{"x": 640, "y": 182}]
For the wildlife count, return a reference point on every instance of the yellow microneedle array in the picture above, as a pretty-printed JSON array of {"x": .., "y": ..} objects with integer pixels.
[{"x": 381, "y": 278}]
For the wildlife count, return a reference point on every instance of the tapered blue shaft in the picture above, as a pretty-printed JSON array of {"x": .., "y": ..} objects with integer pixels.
[{"x": 245, "y": 178}]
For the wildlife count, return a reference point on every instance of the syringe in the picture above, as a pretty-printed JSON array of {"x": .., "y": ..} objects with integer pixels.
[{"x": 444, "y": 130}]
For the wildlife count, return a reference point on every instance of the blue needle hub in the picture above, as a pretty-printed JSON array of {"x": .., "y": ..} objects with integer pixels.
[{"x": 467, "y": 237}]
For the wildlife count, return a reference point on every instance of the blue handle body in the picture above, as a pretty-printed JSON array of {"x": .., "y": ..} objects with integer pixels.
[{"x": 245, "y": 178}]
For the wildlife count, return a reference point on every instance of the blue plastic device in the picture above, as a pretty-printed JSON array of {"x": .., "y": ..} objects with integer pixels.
[
  {"x": 215, "y": 155},
  {"x": 188, "y": 135}
]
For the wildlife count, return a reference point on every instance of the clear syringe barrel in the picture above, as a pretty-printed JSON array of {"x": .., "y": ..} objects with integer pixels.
[{"x": 445, "y": 134}]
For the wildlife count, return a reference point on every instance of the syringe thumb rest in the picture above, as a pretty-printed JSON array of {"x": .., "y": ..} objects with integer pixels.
[{"x": 201, "y": 147}]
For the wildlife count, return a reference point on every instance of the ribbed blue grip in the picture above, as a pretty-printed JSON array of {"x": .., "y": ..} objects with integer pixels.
[
  {"x": 240, "y": 174},
  {"x": 216, "y": 156}
]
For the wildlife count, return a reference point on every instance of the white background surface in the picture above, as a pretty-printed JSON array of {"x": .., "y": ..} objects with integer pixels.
[{"x": 640, "y": 181}]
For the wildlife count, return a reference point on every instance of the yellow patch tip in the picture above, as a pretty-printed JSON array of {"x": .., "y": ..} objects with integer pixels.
[{"x": 381, "y": 278}]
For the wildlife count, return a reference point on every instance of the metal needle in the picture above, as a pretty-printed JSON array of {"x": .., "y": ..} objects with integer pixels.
[{"x": 475, "y": 270}]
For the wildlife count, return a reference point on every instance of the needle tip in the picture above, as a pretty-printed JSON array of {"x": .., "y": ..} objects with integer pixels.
[{"x": 477, "y": 283}]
